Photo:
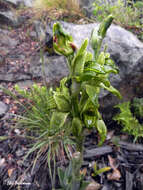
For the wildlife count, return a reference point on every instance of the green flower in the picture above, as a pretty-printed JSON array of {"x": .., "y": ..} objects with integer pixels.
[{"x": 62, "y": 42}]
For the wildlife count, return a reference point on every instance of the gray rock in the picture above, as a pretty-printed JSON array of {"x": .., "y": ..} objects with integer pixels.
[
  {"x": 13, "y": 2},
  {"x": 19, "y": 152},
  {"x": 40, "y": 30},
  {"x": 9, "y": 18},
  {"x": 3, "y": 109},
  {"x": 25, "y": 83},
  {"x": 6, "y": 45},
  {"x": 27, "y": 3},
  {"x": 52, "y": 70},
  {"x": 6, "y": 41},
  {"x": 13, "y": 77}
]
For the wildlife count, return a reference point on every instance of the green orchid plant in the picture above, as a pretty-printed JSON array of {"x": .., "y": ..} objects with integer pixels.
[{"x": 77, "y": 97}]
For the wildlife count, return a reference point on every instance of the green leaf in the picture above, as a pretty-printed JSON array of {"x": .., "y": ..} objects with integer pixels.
[
  {"x": 36, "y": 146},
  {"x": 112, "y": 90},
  {"x": 88, "y": 106},
  {"x": 109, "y": 61},
  {"x": 89, "y": 57},
  {"x": 87, "y": 75},
  {"x": 102, "y": 130},
  {"x": 105, "y": 25},
  {"x": 64, "y": 90},
  {"x": 77, "y": 126},
  {"x": 101, "y": 58},
  {"x": 83, "y": 47},
  {"x": 104, "y": 80},
  {"x": 79, "y": 59},
  {"x": 100, "y": 171},
  {"x": 98, "y": 35},
  {"x": 61, "y": 175},
  {"x": 95, "y": 67},
  {"x": 58, "y": 119},
  {"x": 130, "y": 124},
  {"x": 110, "y": 69},
  {"x": 95, "y": 167},
  {"x": 61, "y": 102},
  {"x": 79, "y": 65},
  {"x": 93, "y": 93},
  {"x": 95, "y": 41}
]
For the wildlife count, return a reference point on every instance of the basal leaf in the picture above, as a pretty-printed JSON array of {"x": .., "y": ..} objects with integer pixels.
[
  {"x": 61, "y": 174},
  {"x": 77, "y": 126},
  {"x": 64, "y": 89},
  {"x": 58, "y": 119},
  {"x": 62, "y": 103},
  {"x": 102, "y": 130}
]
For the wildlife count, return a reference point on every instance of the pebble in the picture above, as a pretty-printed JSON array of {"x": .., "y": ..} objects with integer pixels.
[{"x": 3, "y": 109}]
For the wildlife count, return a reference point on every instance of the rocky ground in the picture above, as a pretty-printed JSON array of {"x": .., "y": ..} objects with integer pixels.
[{"x": 21, "y": 40}]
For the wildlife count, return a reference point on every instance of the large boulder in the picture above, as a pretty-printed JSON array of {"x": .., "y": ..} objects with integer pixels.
[
  {"x": 125, "y": 49},
  {"x": 8, "y": 15},
  {"x": 9, "y": 18},
  {"x": 17, "y": 3}
]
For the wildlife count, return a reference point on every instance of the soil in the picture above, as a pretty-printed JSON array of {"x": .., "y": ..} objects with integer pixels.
[{"x": 124, "y": 157}]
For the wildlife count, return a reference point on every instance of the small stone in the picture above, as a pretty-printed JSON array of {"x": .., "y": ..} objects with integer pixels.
[
  {"x": 93, "y": 186},
  {"x": 1, "y": 60},
  {"x": 19, "y": 152},
  {"x": 17, "y": 131},
  {"x": 33, "y": 35},
  {"x": 3, "y": 109},
  {"x": 2, "y": 161}
]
